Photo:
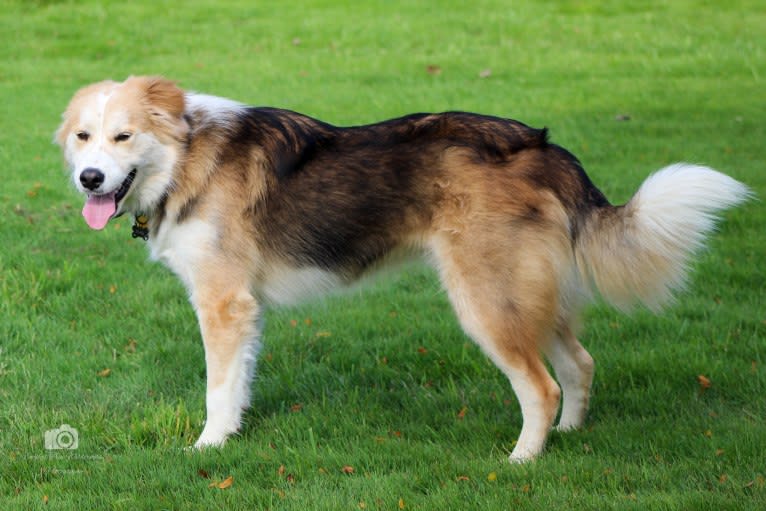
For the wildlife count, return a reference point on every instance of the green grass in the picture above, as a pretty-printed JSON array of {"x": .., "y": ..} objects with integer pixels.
[{"x": 376, "y": 380}]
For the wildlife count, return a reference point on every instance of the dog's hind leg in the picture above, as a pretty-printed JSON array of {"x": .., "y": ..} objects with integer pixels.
[
  {"x": 229, "y": 317},
  {"x": 506, "y": 302},
  {"x": 574, "y": 370}
]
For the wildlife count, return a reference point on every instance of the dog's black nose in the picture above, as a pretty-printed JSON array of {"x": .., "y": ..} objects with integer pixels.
[{"x": 91, "y": 178}]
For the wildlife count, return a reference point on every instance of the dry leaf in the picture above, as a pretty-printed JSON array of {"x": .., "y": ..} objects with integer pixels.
[
  {"x": 323, "y": 334},
  {"x": 708, "y": 433},
  {"x": 226, "y": 483},
  {"x": 281, "y": 470},
  {"x": 433, "y": 70},
  {"x": 492, "y": 476},
  {"x": 463, "y": 478},
  {"x": 203, "y": 473},
  {"x": 290, "y": 478},
  {"x": 461, "y": 413},
  {"x": 131, "y": 346},
  {"x": 347, "y": 469},
  {"x": 112, "y": 289},
  {"x": 719, "y": 452},
  {"x": 293, "y": 323},
  {"x": 45, "y": 500},
  {"x": 296, "y": 407},
  {"x": 723, "y": 478},
  {"x": 362, "y": 504},
  {"x": 704, "y": 382},
  {"x": 401, "y": 504},
  {"x": 422, "y": 350},
  {"x": 104, "y": 372}
]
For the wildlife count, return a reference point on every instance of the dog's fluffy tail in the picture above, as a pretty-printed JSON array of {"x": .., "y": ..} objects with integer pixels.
[{"x": 640, "y": 252}]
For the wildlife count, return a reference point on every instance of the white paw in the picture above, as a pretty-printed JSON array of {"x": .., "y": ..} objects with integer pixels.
[
  {"x": 521, "y": 454},
  {"x": 210, "y": 437},
  {"x": 564, "y": 427}
]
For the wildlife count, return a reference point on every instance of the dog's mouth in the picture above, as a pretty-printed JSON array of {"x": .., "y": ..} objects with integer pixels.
[{"x": 100, "y": 208}]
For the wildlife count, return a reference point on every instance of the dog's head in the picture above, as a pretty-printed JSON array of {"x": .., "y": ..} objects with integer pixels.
[{"x": 121, "y": 142}]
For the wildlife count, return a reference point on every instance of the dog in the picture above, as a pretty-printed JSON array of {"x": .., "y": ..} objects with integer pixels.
[{"x": 253, "y": 207}]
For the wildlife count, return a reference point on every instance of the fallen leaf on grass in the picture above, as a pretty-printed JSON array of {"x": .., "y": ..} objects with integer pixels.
[
  {"x": 347, "y": 469},
  {"x": 463, "y": 478},
  {"x": 401, "y": 504},
  {"x": 226, "y": 483},
  {"x": 203, "y": 473},
  {"x": 45, "y": 500},
  {"x": 104, "y": 372},
  {"x": 704, "y": 382},
  {"x": 281, "y": 470},
  {"x": 296, "y": 407},
  {"x": 433, "y": 70},
  {"x": 492, "y": 476},
  {"x": 461, "y": 413},
  {"x": 32, "y": 192}
]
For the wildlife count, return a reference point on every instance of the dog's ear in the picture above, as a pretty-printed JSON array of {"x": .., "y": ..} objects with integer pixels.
[
  {"x": 165, "y": 103},
  {"x": 163, "y": 94}
]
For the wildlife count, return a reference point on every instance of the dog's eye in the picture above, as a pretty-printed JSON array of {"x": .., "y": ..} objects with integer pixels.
[
  {"x": 83, "y": 135},
  {"x": 122, "y": 137}
]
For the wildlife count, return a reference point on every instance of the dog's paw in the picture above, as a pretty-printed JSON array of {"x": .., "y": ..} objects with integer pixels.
[
  {"x": 522, "y": 455},
  {"x": 210, "y": 439},
  {"x": 564, "y": 428}
]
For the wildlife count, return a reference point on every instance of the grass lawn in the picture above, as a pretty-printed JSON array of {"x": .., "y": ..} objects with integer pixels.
[{"x": 375, "y": 399}]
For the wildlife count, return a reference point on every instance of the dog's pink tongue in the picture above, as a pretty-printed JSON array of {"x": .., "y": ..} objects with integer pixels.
[{"x": 99, "y": 209}]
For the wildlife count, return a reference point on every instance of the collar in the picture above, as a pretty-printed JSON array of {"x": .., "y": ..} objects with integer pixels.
[{"x": 141, "y": 227}]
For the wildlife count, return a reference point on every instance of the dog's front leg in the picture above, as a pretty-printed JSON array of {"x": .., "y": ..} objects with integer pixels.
[{"x": 228, "y": 320}]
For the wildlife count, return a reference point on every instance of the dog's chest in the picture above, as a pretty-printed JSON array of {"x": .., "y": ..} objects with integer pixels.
[{"x": 183, "y": 248}]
